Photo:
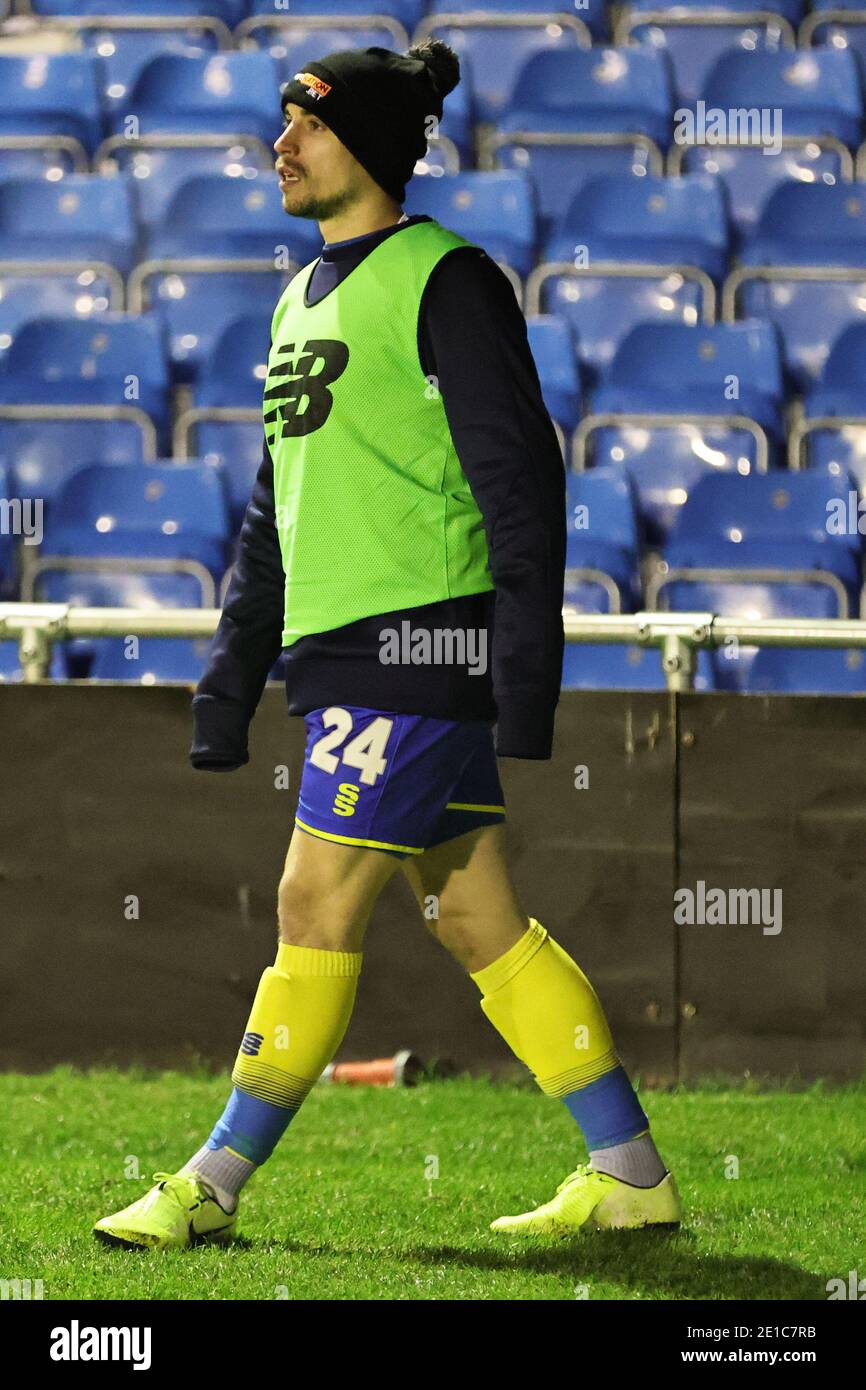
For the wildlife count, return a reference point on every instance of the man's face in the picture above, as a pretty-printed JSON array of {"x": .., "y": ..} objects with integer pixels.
[{"x": 319, "y": 178}]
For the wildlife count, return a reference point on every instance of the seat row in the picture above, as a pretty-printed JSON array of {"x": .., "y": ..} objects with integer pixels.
[{"x": 758, "y": 546}]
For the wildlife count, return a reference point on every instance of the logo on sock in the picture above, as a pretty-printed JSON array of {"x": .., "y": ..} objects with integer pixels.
[{"x": 252, "y": 1043}]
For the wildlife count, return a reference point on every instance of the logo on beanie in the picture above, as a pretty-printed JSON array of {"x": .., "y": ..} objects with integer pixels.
[{"x": 314, "y": 85}]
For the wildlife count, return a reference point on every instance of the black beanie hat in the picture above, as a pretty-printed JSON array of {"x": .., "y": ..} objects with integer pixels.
[{"x": 378, "y": 103}]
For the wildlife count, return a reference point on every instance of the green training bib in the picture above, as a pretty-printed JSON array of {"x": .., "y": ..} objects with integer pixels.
[{"x": 373, "y": 510}]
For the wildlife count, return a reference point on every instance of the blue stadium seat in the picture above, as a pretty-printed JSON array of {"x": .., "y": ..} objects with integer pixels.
[
  {"x": 593, "y": 91},
  {"x": 233, "y": 376},
  {"x": 171, "y": 511},
  {"x": 593, "y": 12},
  {"x": 23, "y": 296},
  {"x": 693, "y": 47},
  {"x": 818, "y": 91},
  {"x": 603, "y": 535},
  {"x": 576, "y": 115},
  {"x": 622, "y": 221},
  {"x": 669, "y": 221},
  {"x": 229, "y": 11},
  {"x": 122, "y": 51},
  {"x": 663, "y": 467},
  {"x": 50, "y": 94},
  {"x": 496, "y": 210},
  {"x": 496, "y": 50},
  {"x": 296, "y": 41},
  {"x": 234, "y": 446},
  {"x": 720, "y": 369},
  {"x": 812, "y": 225},
  {"x": 833, "y": 24},
  {"x": 81, "y": 217},
  {"x": 804, "y": 226},
  {"x": 750, "y": 176},
  {"x": 808, "y": 671},
  {"x": 82, "y": 588},
  {"x": 841, "y": 391},
  {"x": 236, "y": 368},
  {"x": 197, "y": 305},
  {"x": 117, "y": 360},
  {"x": 42, "y": 454},
  {"x": 156, "y": 171},
  {"x": 763, "y": 522},
  {"x": 614, "y": 666},
  {"x": 220, "y": 93},
  {"x": 217, "y": 217},
  {"x": 552, "y": 345},
  {"x": 155, "y": 659},
  {"x": 673, "y": 369},
  {"x": 406, "y": 12}
]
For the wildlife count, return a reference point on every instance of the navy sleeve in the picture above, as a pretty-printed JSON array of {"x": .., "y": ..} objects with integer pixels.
[
  {"x": 248, "y": 639},
  {"x": 472, "y": 338}
]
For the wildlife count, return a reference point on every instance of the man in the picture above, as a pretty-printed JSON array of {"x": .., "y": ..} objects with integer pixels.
[{"x": 411, "y": 492}]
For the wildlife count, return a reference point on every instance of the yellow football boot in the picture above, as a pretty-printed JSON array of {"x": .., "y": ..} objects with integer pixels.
[
  {"x": 587, "y": 1200},
  {"x": 178, "y": 1211}
]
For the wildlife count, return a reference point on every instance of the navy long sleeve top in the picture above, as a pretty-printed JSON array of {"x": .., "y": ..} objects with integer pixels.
[{"x": 472, "y": 344}]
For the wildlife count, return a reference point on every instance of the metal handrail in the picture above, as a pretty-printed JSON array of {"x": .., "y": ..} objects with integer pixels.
[
  {"x": 116, "y": 564},
  {"x": 588, "y": 574},
  {"x": 104, "y": 155},
  {"x": 195, "y": 265},
  {"x": 67, "y": 143},
  {"x": 830, "y": 143},
  {"x": 133, "y": 414},
  {"x": 759, "y": 574},
  {"x": 816, "y": 18},
  {"x": 620, "y": 270},
  {"x": 492, "y": 140},
  {"x": 141, "y": 21},
  {"x": 661, "y": 419},
  {"x": 709, "y": 18},
  {"x": 102, "y": 269},
  {"x": 246, "y": 27},
  {"x": 188, "y": 420},
  {"x": 678, "y": 635},
  {"x": 518, "y": 20},
  {"x": 802, "y": 426},
  {"x": 805, "y": 273}
]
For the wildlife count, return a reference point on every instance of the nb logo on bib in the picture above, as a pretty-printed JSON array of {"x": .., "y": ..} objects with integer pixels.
[{"x": 297, "y": 387}]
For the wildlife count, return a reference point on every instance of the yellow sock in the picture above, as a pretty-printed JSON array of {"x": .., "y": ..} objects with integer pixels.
[
  {"x": 545, "y": 1008},
  {"x": 547, "y": 1011},
  {"x": 299, "y": 1018}
]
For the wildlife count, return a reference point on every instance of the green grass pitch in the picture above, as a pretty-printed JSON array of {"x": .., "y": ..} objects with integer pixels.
[{"x": 349, "y": 1207}]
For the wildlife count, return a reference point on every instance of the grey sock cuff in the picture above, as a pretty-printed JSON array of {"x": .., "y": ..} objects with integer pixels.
[
  {"x": 637, "y": 1161},
  {"x": 225, "y": 1170}
]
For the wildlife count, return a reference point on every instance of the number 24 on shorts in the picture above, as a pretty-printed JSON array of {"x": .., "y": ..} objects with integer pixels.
[{"x": 365, "y": 751}]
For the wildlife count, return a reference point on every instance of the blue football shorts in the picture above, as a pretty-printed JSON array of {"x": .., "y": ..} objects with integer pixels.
[{"x": 400, "y": 783}]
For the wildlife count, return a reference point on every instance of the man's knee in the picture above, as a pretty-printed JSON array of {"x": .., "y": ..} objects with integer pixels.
[
  {"x": 472, "y": 937},
  {"x": 456, "y": 930},
  {"x": 309, "y": 916}
]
